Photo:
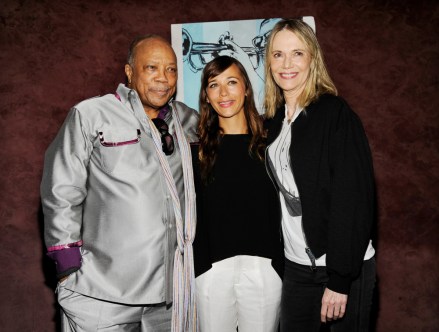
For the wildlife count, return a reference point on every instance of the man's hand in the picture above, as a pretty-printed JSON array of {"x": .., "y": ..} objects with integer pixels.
[
  {"x": 237, "y": 52},
  {"x": 333, "y": 305}
]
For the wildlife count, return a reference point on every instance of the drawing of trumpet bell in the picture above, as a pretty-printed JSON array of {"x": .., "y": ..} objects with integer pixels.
[{"x": 198, "y": 54}]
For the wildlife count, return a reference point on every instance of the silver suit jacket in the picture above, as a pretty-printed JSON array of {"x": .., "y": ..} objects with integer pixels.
[{"x": 103, "y": 185}]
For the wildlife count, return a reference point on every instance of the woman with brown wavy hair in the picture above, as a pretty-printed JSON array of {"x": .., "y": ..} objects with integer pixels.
[{"x": 238, "y": 252}]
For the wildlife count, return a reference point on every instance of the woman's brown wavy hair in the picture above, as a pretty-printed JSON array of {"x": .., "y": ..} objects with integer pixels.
[{"x": 209, "y": 130}]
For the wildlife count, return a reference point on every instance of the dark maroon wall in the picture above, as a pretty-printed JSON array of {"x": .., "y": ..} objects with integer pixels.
[{"x": 383, "y": 56}]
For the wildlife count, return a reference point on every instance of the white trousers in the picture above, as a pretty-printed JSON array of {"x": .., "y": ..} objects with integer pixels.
[{"x": 241, "y": 291}]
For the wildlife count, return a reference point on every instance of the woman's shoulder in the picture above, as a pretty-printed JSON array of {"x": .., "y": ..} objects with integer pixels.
[
  {"x": 327, "y": 101},
  {"x": 334, "y": 111},
  {"x": 330, "y": 105}
]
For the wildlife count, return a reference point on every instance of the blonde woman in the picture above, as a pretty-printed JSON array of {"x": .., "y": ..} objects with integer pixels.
[{"x": 319, "y": 157}]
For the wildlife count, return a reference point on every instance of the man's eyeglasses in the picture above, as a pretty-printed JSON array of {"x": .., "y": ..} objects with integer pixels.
[{"x": 167, "y": 139}]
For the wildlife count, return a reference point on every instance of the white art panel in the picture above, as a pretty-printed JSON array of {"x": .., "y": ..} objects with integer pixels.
[{"x": 198, "y": 43}]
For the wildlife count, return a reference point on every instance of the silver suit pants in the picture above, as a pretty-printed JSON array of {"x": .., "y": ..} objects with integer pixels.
[{"x": 80, "y": 313}]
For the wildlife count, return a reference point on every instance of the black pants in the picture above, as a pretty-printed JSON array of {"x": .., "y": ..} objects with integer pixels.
[{"x": 302, "y": 293}]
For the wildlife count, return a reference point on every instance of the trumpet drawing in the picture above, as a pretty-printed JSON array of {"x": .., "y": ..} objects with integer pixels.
[{"x": 198, "y": 54}]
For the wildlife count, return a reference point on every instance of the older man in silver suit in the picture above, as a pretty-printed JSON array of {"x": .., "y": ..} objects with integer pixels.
[{"x": 117, "y": 190}]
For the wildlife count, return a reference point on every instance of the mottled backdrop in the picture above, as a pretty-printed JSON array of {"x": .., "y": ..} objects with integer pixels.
[{"x": 383, "y": 56}]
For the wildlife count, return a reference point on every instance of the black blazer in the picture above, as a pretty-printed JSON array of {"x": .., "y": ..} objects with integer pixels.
[{"x": 332, "y": 166}]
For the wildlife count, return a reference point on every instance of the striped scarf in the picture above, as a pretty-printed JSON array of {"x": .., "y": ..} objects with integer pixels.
[{"x": 184, "y": 313}]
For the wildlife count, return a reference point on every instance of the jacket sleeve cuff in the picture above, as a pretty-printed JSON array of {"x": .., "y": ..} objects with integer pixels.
[
  {"x": 67, "y": 260},
  {"x": 339, "y": 284}
]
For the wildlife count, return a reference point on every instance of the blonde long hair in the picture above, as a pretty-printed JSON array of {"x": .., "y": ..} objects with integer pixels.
[{"x": 318, "y": 81}]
